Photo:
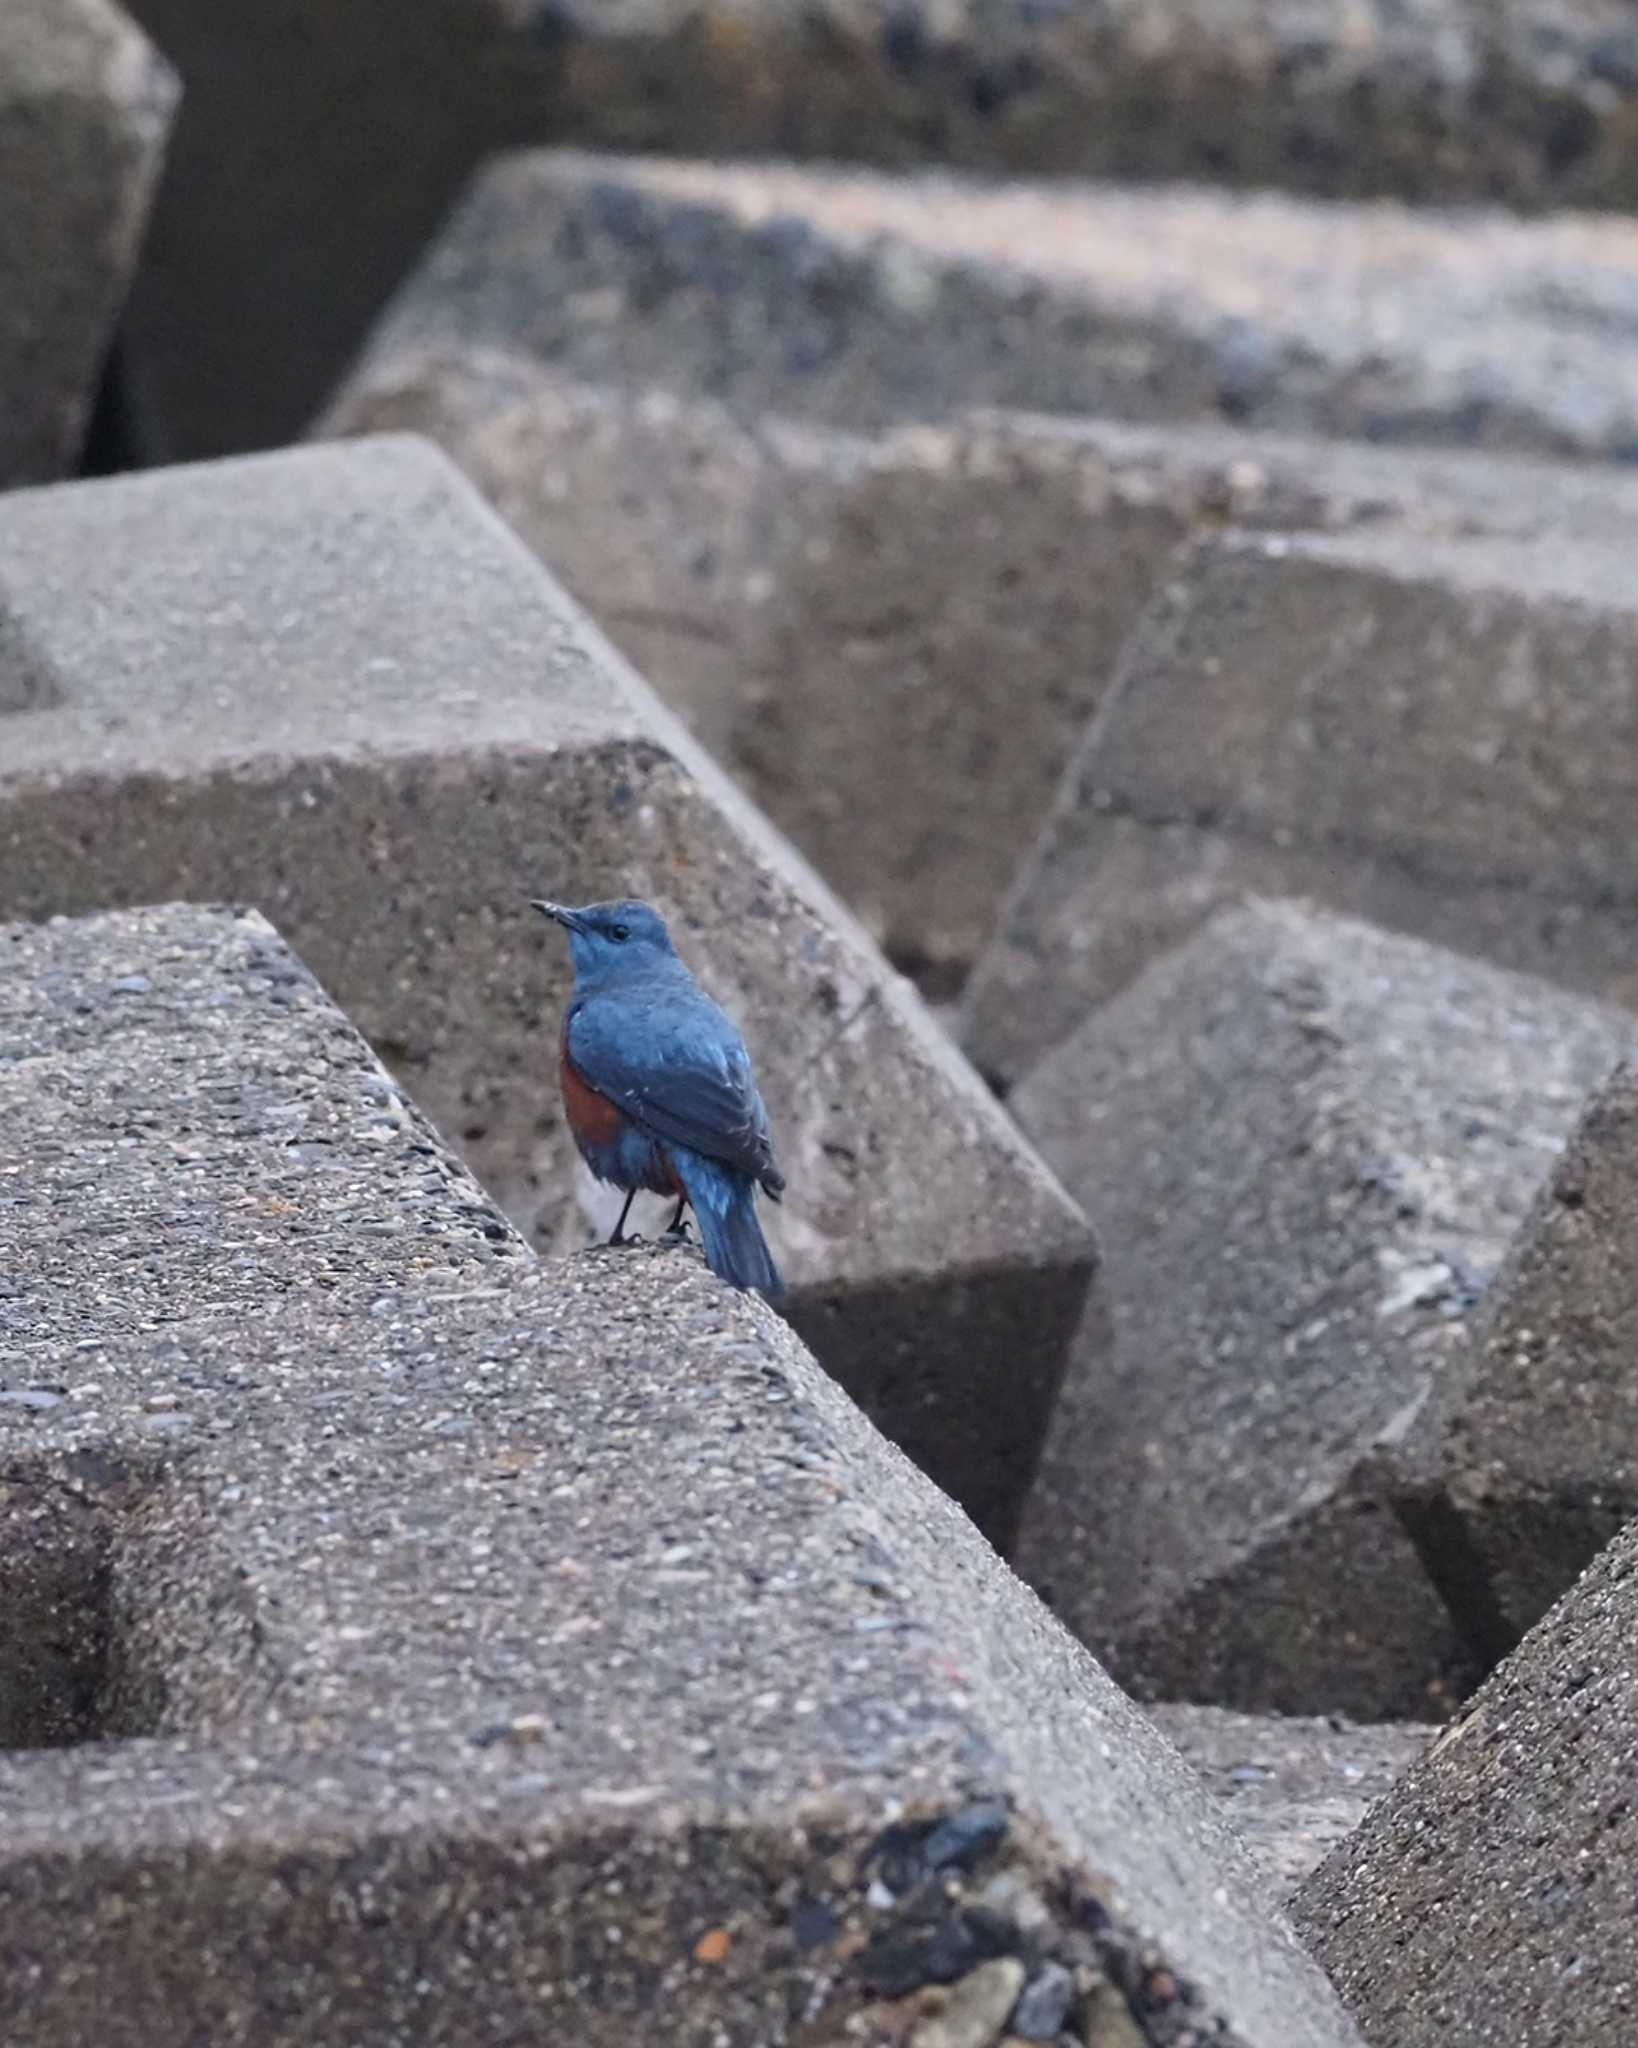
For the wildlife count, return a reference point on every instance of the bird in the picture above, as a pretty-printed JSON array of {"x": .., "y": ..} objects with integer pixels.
[{"x": 658, "y": 1088}]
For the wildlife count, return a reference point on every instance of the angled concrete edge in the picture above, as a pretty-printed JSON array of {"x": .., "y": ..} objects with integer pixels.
[
  {"x": 1426, "y": 731},
  {"x": 1523, "y": 1462}
]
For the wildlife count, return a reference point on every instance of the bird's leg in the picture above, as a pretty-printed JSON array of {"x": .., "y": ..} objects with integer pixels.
[
  {"x": 619, "y": 1236},
  {"x": 676, "y": 1231}
]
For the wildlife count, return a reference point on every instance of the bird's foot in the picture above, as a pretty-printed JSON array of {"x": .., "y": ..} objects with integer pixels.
[{"x": 678, "y": 1234}]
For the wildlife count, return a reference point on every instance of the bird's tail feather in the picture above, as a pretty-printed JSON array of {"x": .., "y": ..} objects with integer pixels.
[{"x": 724, "y": 1206}]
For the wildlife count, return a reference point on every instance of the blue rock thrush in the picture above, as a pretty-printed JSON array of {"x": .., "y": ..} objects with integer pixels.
[{"x": 658, "y": 1090}]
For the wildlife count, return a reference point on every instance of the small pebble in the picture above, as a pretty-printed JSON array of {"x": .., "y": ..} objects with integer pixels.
[
  {"x": 1044, "y": 2003},
  {"x": 975, "y": 2011}
]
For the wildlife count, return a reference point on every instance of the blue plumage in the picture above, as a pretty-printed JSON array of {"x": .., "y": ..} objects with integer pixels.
[{"x": 658, "y": 1087}]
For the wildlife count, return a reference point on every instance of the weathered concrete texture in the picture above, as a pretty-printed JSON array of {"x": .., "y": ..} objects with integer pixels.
[
  {"x": 279, "y": 235},
  {"x": 862, "y": 300},
  {"x": 1525, "y": 1462},
  {"x": 896, "y": 641},
  {"x": 1294, "y": 1786},
  {"x": 1305, "y": 1145},
  {"x": 1530, "y": 101},
  {"x": 85, "y": 106},
  {"x": 1489, "y": 1897},
  {"x": 1432, "y": 732},
  {"x": 194, "y": 1203},
  {"x": 522, "y": 1653},
  {"x": 332, "y": 684}
]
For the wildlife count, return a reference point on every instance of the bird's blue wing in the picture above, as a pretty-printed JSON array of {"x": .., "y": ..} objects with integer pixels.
[{"x": 680, "y": 1071}]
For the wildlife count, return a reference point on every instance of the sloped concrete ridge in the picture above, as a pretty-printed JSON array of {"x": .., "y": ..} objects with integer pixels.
[
  {"x": 1489, "y": 1897},
  {"x": 1294, "y": 1786},
  {"x": 863, "y": 300},
  {"x": 85, "y": 108},
  {"x": 517, "y": 1651},
  {"x": 1306, "y": 1145},
  {"x": 896, "y": 641},
  {"x": 1525, "y": 1462},
  {"x": 1429, "y": 732},
  {"x": 332, "y": 683}
]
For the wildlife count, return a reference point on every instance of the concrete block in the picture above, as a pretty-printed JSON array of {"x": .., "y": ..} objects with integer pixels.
[
  {"x": 895, "y": 641},
  {"x": 1517, "y": 101},
  {"x": 331, "y": 683},
  {"x": 85, "y": 106},
  {"x": 524, "y": 1653},
  {"x": 1305, "y": 1145},
  {"x": 862, "y": 300},
  {"x": 1524, "y": 1462},
  {"x": 1489, "y": 1896},
  {"x": 280, "y": 232},
  {"x": 1429, "y": 731},
  {"x": 1294, "y": 1787},
  {"x": 194, "y": 1203}
]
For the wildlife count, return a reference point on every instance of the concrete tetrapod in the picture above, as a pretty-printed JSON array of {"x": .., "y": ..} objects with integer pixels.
[
  {"x": 411, "y": 1641},
  {"x": 278, "y": 235},
  {"x": 1306, "y": 1146},
  {"x": 332, "y": 683},
  {"x": 85, "y": 108},
  {"x": 862, "y": 300},
  {"x": 1432, "y": 732},
  {"x": 1524, "y": 1462},
  {"x": 1489, "y": 1897}
]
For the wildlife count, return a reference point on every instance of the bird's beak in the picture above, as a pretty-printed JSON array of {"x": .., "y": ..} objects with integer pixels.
[{"x": 559, "y": 913}]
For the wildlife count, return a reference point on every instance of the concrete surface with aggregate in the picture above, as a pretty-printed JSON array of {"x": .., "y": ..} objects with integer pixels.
[
  {"x": 895, "y": 640},
  {"x": 1489, "y": 1897},
  {"x": 1430, "y": 731},
  {"x": 451, "y": 1647},
  {"x": 1524, "y": 1462},
  {"x": 1306, "y": 1146},
  {"x": 862, "y": 300},
  {"x": 1293, "y": 1785},
  {"x": 277, "y": 237}
]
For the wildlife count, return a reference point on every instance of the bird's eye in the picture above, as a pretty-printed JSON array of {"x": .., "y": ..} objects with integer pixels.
[{"x": 620, "y": 933}]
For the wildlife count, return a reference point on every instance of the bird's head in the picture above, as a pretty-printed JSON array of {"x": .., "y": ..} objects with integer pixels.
[{"x": 611, "y": 939}]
